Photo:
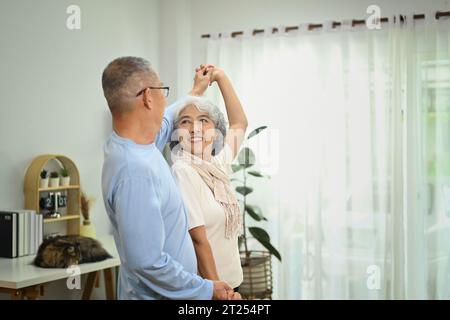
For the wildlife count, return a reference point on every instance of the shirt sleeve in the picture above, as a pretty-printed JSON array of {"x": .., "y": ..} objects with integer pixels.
[
  {"x": 141, "y": 230},
  {"x": 189, "y": 183},
  {"x": 167, "y": 126}
]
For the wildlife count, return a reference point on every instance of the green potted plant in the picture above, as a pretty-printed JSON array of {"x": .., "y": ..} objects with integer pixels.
[
  {"x": 65, "y": 177},
  {"x": 43, "y": 182},
  {"x": 54, "y": 179},
  {"x": 256, "y": 264}
]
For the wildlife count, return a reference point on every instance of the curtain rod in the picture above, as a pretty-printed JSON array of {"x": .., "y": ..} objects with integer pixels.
[{"x": 335, "y": 24}]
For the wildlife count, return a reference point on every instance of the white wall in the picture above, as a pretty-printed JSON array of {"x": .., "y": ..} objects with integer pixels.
[{"x": 50, "y": 80}]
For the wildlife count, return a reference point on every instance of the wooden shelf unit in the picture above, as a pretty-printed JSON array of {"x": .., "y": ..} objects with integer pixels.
[
  {"x": 32, "y": 192},
  {"x": 70, "y": 187},
  {"x": 62, "y": 218}
]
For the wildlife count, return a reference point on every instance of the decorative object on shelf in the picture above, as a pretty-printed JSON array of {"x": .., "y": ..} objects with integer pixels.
[
  {"x": 52, "y": 215},
  {"x": 43, "y": 183},
  {"x": 87, "y": 228},
  {"x": 256, "y": 265},
  {"x": 52, "y": 235},
  {"x": 66, "y": 251},
  {"x": 51, "y": 204},
  {"x": 65, "y": 177},
  {"x": 54, "y": 179},
  {"x": 63, "y": 207}
]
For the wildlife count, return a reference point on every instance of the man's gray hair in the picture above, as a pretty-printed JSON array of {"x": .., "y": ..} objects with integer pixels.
[
  {"x": 214, "y": 113},
  {"x": 122, "y": 79}
]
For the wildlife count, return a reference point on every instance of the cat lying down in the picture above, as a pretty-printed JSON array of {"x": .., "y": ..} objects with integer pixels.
[{"x": 65, "y": 251}]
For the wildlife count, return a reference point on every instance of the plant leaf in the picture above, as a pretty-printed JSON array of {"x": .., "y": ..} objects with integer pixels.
[
  {"x": 256, "y": 131},
  {"x": 246, "y": 158},
  {"x": 254, "y": 212},
  {"x": 263, "y": 237},
  {"x": 259, "y": 233},
  {"x": 256, "y": 174},
  {"x": 244, "y": 190},
  {"x": 236, "y": 167}
]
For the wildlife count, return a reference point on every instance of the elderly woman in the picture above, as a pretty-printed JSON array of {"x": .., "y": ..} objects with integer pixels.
[{"x": 202, "y": 165}]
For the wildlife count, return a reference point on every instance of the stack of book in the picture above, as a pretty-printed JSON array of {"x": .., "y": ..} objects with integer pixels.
[{"x": 20, "y": 233}]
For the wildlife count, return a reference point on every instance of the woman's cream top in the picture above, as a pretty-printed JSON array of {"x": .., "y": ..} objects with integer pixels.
[{"x": 204, "y": 210}]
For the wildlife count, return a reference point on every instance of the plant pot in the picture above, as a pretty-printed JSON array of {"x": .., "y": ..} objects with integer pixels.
[
  {"x": 43, "y": 183},
  {"x": 257, "y": 269},
  {"x": 65, "y": 181},
  {"x": 54, "y": 182},
  {"x": 87, "y": 229}
]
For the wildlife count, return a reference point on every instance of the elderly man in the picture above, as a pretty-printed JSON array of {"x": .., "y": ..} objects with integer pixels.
[{"x": 141, "y": 198}]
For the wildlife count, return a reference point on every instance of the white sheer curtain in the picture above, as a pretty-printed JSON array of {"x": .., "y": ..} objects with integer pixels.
[{"x": 359, "y": 153}]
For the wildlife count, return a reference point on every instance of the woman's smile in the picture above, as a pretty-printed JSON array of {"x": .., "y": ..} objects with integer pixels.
[{"x": 196, "y": 139}]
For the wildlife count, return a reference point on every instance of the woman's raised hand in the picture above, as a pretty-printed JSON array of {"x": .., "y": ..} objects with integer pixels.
[
  {"x": 215, "y": 73},
  {"x": 202, "y": 79}
]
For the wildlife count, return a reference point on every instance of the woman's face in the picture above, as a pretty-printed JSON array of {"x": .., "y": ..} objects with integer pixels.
[{"x": 197, "y": 131}]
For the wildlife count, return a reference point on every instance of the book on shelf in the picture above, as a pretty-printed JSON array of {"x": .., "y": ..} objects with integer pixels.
[{"x": 21, "y": 233}]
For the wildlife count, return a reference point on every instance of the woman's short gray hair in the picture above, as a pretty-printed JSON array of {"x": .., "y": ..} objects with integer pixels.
[{"x": 214, "y": 113}]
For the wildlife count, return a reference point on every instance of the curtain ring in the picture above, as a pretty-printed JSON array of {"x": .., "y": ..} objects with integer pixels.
[
  {"x": 247, "y": 34},
  {"x": 303, "y": 28},
  {"x": 430, "y": 16},
  {"x": 328, "y": 26},
  {"x": 347, "y": 24},
  {"x": 281, "y": 30},
  {"x": 268, "y": 31}
]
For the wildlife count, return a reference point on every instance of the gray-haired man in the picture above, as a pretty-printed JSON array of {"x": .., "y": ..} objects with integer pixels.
[{"x": 140, "y": 195}]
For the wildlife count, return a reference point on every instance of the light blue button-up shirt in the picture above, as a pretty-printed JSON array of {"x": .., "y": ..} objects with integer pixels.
[{"x": 149, "y": 221}]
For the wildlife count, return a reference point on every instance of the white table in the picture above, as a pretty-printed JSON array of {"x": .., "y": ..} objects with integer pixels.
[{"x": 22, "y": 279}]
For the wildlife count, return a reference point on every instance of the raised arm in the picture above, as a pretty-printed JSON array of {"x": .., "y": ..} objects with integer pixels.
[{"x": 236, "y": 115}]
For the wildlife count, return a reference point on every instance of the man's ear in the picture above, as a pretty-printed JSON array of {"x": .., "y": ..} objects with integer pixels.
[{"x": 148, "y": 99}]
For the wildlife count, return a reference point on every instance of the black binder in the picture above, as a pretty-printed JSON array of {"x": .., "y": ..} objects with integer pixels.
[{"x": 9, "y": 236}]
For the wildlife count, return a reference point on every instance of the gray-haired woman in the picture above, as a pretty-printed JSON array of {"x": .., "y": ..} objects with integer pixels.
[{"x": 202, "y": 165}]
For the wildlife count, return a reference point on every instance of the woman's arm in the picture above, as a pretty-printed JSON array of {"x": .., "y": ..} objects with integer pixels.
[
  {"x": 236, "y": 115},
  {"x": 205, "y": 259}
]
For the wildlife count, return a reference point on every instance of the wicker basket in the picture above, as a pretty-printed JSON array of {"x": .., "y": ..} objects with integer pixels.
[{"x": 257, "y": 268}]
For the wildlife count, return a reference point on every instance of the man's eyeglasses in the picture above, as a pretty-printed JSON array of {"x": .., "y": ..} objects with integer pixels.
[{"x": 164, "y": 91}]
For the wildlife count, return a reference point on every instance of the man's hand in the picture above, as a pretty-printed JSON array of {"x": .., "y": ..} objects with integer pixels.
[
  {"x": 221, "y": 290},
  {"x": 234, "y": 295},
  {"x": 202, "y": 79},
  {"x": 217, "y": 74}
]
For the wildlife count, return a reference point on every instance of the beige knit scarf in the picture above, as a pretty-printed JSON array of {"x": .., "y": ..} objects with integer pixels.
[{"x": 219, "y": 184}]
